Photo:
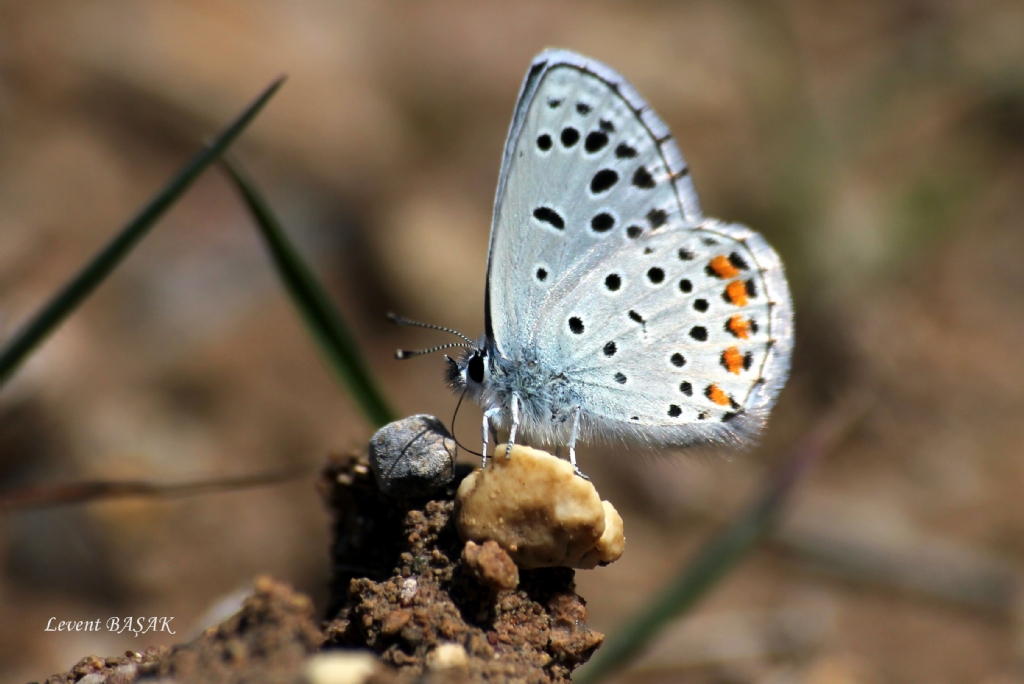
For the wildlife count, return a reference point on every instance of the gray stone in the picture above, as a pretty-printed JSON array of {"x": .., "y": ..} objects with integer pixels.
[{"x": 413, "y": 457}]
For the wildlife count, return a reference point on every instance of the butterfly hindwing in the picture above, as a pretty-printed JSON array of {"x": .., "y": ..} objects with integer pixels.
[{"x": 680, "y": 337}]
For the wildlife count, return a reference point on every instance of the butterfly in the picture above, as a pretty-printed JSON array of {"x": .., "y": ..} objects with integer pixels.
[{"x": 613, "y": 308}]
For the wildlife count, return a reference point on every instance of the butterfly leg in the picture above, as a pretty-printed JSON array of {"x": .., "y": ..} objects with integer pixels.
[
  {"x": 572, "y": 442},
  {"x": 515, "y": 426},
  {"x": 488, "y": 415}
]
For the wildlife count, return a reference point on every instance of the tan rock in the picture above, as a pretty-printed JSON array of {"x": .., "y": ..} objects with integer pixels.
[
  {"x": 448, "y": 657},
  {"x": 536, "y": 508},
  {"x": 612, "y": 543},
  {"x": 341, "y": 667},
  {"x": 490, "y": 565}
]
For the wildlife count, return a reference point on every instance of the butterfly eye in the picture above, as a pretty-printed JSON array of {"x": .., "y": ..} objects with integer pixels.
[{"x": 476, "y": 368}]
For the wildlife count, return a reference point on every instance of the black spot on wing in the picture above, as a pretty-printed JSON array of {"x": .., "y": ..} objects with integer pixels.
[
  {"x": 738, "y": 262},
  {"x": 570, "y": 136},
  {"x": 549, "y": 216},
  {"x": 603, "y": 222},
  {"x": 576, "y": 325},
  {"x": 643, "y": 179},
  {"x": 583, "y": 108},
  {"x": 624, "y": 151},
  {"x": 603, "y": 181},
  {"x": 595, "y": 142},
  {"x": 634, "y": 231},
  {"x": 613, "y": 282},
  {"x": 657, "y": 217},
  {"x": 544, "y": 142}
]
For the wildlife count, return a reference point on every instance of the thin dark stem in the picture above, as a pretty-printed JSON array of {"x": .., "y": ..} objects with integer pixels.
[{"x": 44, "y": 496}]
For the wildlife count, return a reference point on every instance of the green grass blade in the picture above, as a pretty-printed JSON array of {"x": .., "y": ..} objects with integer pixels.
[
  {"x": 321, "y": 317},
  {"x": 716, "y": 558},
  {"x": 53, "y": 313}
]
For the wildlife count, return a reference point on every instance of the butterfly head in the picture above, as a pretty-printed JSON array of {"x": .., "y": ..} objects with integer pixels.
[{"x": 469, "y": 373}]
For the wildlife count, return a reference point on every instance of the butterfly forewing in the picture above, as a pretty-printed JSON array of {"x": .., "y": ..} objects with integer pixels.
[{"x": 579, "y": 160}]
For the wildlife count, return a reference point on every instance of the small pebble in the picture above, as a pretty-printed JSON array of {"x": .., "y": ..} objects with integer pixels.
[
  {"x": 413, "y": 457},
  {"x": 537, "y": 509},
  {"x": 340, "y": 667},
  {"x": 409, "y": 589},
  {"x": 124, "y": 674},
  {"x": 490, "y": 565},
  {"x": 448, "y": 657},
  {"x": 394, "y": 622}
]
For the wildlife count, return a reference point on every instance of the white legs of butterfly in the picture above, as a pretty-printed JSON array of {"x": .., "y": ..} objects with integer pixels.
[
  {"x": 492, "y": 413},
  {"x": 572, "y": 441},
  {"x": 515, "y": 425},
  {"x": 489, "y": 415}
]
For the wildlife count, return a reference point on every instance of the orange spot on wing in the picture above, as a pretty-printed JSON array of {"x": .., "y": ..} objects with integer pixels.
[
  {"x": 736, "y": 292},
  {"x": 739, "y": 327},
  {"x": 732, "y": 359},
  {"x": 715, "y": 394},
  {"x": 723, "y": 268}
]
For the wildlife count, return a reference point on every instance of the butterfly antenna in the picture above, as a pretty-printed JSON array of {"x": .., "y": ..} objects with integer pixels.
[
  {"x": 409, "y": 353},
  {"x": 398, "y": 320},
  {"x": 454, "y": 415}
]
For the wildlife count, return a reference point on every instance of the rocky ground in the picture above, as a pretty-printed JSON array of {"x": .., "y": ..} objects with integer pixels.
[{"x": 406, "y": 588}]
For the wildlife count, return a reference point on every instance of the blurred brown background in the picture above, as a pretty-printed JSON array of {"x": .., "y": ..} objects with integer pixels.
[{"x": 878, "y": 145}]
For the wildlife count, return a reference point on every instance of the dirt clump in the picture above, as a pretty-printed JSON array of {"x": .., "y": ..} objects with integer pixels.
[
  {"x": 267, "y": 641},
  {"x": 422, "y": 596},
  {"x": 434, "y": 610}
]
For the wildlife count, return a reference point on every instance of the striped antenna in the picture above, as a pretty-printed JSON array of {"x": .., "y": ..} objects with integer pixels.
[
  {"x": 398, "y": 320},
  {"x": 402, "y": 354}
]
